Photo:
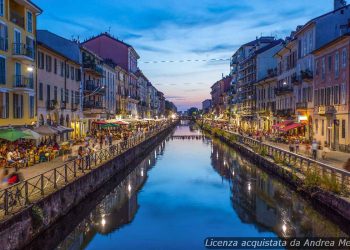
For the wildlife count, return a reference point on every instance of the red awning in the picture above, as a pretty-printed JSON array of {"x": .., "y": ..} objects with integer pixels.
[
  {"x": 291, "y": 126},
  {"x": 100, "y": 122},
  {"x": 282, "y": 124}
]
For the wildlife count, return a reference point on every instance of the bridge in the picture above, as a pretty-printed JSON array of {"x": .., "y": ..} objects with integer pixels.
[{"x": 190, "y": 137}]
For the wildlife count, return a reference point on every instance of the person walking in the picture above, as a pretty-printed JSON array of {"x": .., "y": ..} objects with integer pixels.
[
  {"x": 297, "y": 143},
  {"x": 314, "y": 148}
]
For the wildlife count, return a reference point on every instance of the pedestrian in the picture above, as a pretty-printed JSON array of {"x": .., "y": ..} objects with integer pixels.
[
  {"x": 314, "y": 148},
  {"x": 101, "y": 141},
  {"x": 291, "y": 146},
  {"x": 110, "y": 139},
  {"x": 106, "y": 139},
  {"x": 297, "y": 143}
]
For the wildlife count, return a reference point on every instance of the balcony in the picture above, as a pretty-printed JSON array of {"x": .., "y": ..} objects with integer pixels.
[
  {"x": 93, "y": 105},
  {"x": 74, "y": 106},
  {"x": 296, "y": 80},
  {"x": 284, "y": 113},
  {"x": 23, "y": 82},
  {"x": 301, "y": 105},
  {"x": 51, "y": 104},
  {"x": 22, "y": 51},
  {"x": 306, "y": 75},
  {"x": 326, "y": 110},
  {"x": 17, "y": 18},
  {"x": 93, "y": 67},
  {"x": 62, "y": 105},
  {"x": 283, "y": 90},
  {"x": 94, "y": 86}
]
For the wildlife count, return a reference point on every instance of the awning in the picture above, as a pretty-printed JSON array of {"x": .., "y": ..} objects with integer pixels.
[
  {"x": 291, "y": 126},
  {"x": 100, "y": 122},
  {"x": 46, "y": 130},
  {"x": 62, "y": 129},
  {"x": 282, "y": 124}
]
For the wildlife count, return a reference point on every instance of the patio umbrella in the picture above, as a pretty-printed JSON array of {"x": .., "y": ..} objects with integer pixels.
[
  {"x": 31, "y": 135},
  {"x": 11, "y": 134},
  {"x": 109, "y": 125},
  {"x": 46, "y": 130}
]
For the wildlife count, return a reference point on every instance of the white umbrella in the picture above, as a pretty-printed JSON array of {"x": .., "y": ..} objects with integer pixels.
[{"x": 31, "y": 135}]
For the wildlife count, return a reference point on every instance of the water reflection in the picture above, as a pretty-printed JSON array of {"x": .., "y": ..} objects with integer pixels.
[
  {"x": 266, "y": 202},
  {"x": 116, "y": 210},
  {"x": 199, "y": 188}
]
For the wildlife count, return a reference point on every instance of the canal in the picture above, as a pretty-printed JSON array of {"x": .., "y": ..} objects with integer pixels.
[{"x": 184, "y": 191}]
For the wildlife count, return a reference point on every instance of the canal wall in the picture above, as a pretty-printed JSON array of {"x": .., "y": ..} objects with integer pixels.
[
  {"x": 330, "y": 202},
  {"x": 20, "y": 229}
]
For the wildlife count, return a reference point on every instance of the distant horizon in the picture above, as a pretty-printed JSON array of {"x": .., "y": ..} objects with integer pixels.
[{"x": 185, "y": 46}]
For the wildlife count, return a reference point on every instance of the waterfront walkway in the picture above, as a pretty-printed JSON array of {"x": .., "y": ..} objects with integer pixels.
[{"x": 333, "y": 158}]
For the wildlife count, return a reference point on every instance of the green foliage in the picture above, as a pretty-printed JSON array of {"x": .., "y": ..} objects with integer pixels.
[
  {"x": 277, "y": 158},
  {"x": 330, "y": 183},
  {"x": 312, "y": 178}
]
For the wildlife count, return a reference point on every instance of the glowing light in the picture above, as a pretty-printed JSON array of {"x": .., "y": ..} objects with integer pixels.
[
  {"x": 30, "y": 69},
  {"x": 149, "y": 162},
  {"x": 129, "y": 188},
  {"x": 302, "y": 118},
  {"x": 217, "y": 155},
  {"x": 173, "y": 116},
  {"x": 249, "y": 187},
  {"x": 284, "y": 83},
  {"x": 103, "y": 222},
  {"x": 284, "y": 228},
  {"x": 233, "y": 173},
  {"x": 142, "y": 172}
]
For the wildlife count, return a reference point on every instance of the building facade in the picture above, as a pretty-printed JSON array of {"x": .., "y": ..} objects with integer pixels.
[
  {"x": 18, "y": 21},
  {"x": 59, "y": 83}
]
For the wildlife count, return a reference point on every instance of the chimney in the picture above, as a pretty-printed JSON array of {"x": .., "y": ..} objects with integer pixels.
[{"x": 339, "y": 4}]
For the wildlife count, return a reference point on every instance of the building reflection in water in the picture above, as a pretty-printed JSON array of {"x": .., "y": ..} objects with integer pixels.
[
  {"x": 116, "y": 210},
  {"x": 266, "y": 202}
]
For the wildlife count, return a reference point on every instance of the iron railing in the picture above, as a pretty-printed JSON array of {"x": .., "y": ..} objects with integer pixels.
[
  {"x": 297, "y": 163},
  {"x": 24, "y": 193}
]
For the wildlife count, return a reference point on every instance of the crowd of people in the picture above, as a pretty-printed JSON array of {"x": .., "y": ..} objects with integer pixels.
[{"x": 26, "y": 153}]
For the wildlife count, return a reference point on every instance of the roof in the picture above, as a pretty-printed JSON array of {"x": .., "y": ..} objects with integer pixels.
[
  {"x": 35, "y": 6},
  {"x": 269, "y": 46},
  {"x": 319, "y": 17},
  {"x": 60, "y": 45},
  {"x": 106, "y": 34},
  {"x": 335, "y": 41}
]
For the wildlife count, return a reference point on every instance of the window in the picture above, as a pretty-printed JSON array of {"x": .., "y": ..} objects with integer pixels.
[
  {"x": 62, "y": 96},
  {"x": 41, "y": 90},
  {"x": 336, "y": 94},
  {"x": 77, "y": 75},
  {"x": 323, "y": 70},
  {"x": 40, "y": 60},
  {"x": 67, "y": 96},
  {"x": 3, "y": 37},
  {"x": 316, "y": 99},
  {"x": 336, "y": 64},
  {"x": 316, "y": 68},
  {"x": 322, "y": 128},
  {"x": 72, "y": 73},
  {"x": 316, "y": 126},
  {"x": 4, "y": 105},
  {"x": 329, "y": 63},
  {"x": 29, "y": 21},
  {"x": 77, "y": 98},
  {"x": 299, "y": 49},
  {"x": 55, "y": 93},
  {"x": 344, "y": 57},
  {"x": 48, "y": 91},
  {"x": 343, "y": 129},
  {"x": 55, "y": 66},
  {"x": 17, "y": 106},
  {"x": 2, "y": 7},
  {"x": 48, "y": 63},
  {"x": 72, "y": 97},
  {"x": 31, "y": 106},
  {"x": 343, "y": 94},
  {"x": 62, "y": 69},
  {"x": 2, "y": 70},
  {"x": 67, "y": 71}
]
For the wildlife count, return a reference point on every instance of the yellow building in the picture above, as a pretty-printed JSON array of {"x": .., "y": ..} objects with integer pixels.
[{"x": 17, "y": 62}]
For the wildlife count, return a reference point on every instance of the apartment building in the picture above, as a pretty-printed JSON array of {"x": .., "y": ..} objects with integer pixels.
[
  {"x": 331, "y": 94},
  {"x": 59, "y": 83},
  {"x": 122, "y": 90},
  {"x": 18, "y": 21},
  {"x": 109, "y": 83}
]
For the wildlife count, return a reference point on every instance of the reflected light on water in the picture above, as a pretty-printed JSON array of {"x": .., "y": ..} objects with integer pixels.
[
  {"x": 149, "y": 162},
  {"x": 103, "y": 222}
]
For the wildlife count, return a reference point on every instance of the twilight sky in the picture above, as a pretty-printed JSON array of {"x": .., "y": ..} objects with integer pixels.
[{"x": 175, "y": 30}]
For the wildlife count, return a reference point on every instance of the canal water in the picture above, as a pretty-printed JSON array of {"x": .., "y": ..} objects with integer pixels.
[{"x": 187, "y": 190}]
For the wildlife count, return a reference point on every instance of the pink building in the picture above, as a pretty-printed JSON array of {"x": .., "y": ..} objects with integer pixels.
[
  {"x": 219, "y": 95},
  {"x": 123, "y": 55},
  {"x": 331, "y": 94}
]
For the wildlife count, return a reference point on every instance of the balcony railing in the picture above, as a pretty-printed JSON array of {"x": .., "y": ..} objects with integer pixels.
[
  {"x": 93, "y": 66},
  {"x": 296, "y": 80},
  {"x": 51, "y": 104},
  {"x": 282, "y": 90},
  {"x": 93, "y": 105},
  {"x": 327, "y": 110},
  {"x": 63, "y": 105},
  {"x": 20, "y": 81},
  {"x": 74, "y": 106},
  {"x": 306, "y": 75},
  {"x": 94, "y": 86},
  {"x": 301, "y": 105},
  {"x": 17, "y": 18},
  {"x": 21, "y": 49}
]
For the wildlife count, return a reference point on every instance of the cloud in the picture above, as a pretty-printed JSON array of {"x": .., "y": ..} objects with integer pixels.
[{"x": 152, "y": 49}]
